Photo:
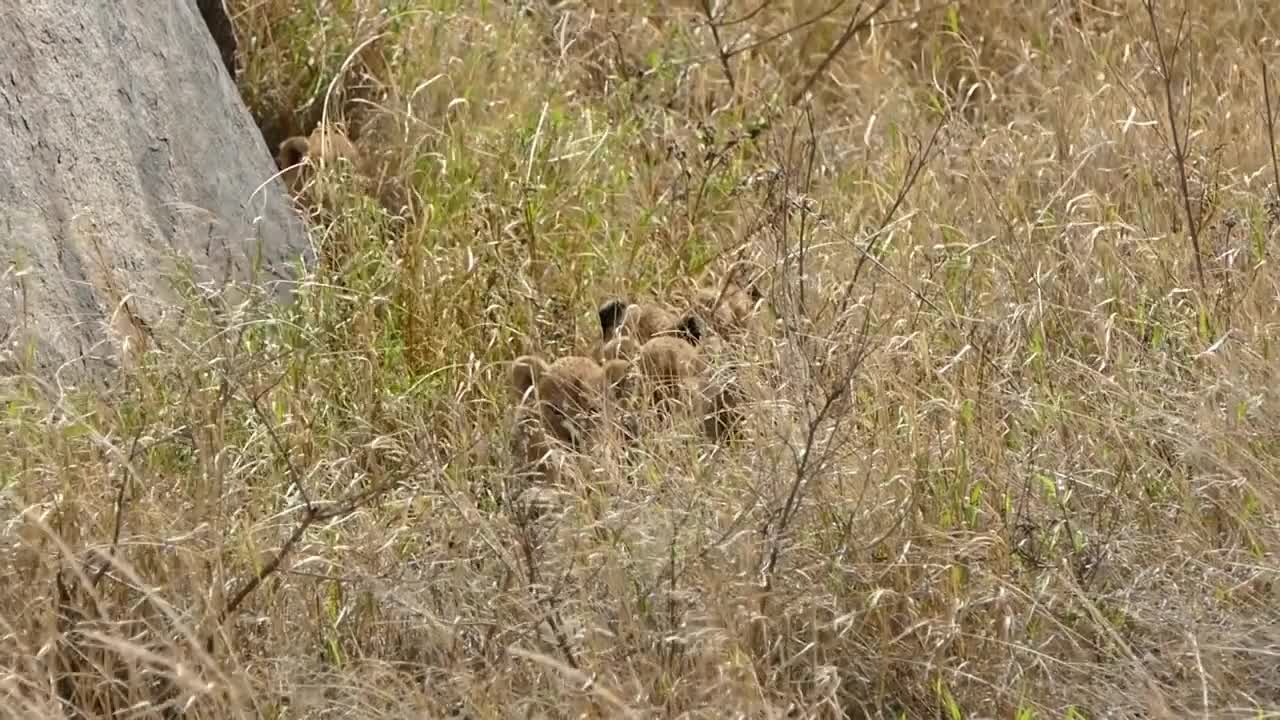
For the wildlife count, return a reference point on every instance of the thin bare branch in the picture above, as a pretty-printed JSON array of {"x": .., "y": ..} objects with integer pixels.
[
  {"x": 1271, "y": 127},
  {"x": 857, "y": 23},
  {"x": 823, "y": 15},
  {"x": 915, "y": 166},
  {"x": 117, "y": 521},
  {"x": 310, "y": 516},
  {"x": 750, "y": 14},
  {"x": 721, "y": 51},
  {"x": 1180, "y": 138}
]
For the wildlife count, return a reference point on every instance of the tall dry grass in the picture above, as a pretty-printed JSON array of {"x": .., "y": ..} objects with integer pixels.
[{"x": 1013, "y": 449}]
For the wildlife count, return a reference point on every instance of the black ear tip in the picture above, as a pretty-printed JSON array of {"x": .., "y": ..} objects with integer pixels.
[
  {"x": 610, "y": 315},
  {"x": 690, "y": 328}
]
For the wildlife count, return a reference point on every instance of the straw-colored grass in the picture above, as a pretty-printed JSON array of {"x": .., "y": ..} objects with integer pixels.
[{"x": 1013, "y": 448}]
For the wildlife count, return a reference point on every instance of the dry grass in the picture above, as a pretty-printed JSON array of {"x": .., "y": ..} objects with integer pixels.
[{"x": 1014, "y": 449}]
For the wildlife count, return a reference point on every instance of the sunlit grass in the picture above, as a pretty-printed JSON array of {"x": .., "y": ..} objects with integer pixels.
[{"x": 1022, "y": 465}]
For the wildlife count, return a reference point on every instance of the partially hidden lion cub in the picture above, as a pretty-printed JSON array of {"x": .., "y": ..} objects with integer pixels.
[
  {"x": 729, "y": 306},
  {"x": 639, "y": 321},
  {"x": 326, "y": 145},
  {"x": 565, "y": 402},
  {"x": 671, "y": 367}
]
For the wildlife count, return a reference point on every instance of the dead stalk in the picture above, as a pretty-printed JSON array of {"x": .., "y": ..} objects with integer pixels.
[{"x": 1179, "y": 138}]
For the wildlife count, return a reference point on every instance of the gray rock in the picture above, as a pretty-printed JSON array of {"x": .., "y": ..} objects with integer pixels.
[{"x": 124, "y": 145}]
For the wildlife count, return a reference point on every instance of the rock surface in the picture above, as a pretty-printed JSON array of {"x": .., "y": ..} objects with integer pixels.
[{"x": 123, "y": 145}]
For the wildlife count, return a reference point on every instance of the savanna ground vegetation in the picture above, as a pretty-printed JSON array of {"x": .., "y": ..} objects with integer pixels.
[{"x": 1012, "y": 445}]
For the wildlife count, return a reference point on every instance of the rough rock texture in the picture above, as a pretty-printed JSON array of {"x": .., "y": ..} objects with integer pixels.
[{"x": 123, "y": 144}]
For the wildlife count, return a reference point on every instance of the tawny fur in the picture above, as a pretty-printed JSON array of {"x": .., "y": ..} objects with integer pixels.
[
  {"x": 327, "y": 145},
  {"x": 674, "y": 368},
  {"x": 728, "y": 306},
  {"x": 728, "y": 309},
  {"x": 532, "y": 450},
  {"x": 570, "y": 393},
  {"x": 640, "y": 321},
  {"x": 620, "y": 348},
  {"x": 670, "y": 365},
  {"x": 721, "y": 400}
]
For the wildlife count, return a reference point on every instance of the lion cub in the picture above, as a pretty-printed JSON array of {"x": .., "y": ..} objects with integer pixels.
[
  {"x": 640, "y": 321},
  {"x": 571, "y": 394},
  {"x": 327, "y": 145},
  {"x": 725, "y": 310},
  {"x": 671, "y": 367},
  {"x": 730, "y": 306},
  {"x": 667, "y": 361}
]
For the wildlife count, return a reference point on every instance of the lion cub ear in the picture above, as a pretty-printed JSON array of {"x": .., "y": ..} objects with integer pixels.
[
  {"x": 611, "y": 315},
  {"x": 617, "y": 374},
  {"x": 619, "y": 348},
  {"x": 291, "y": 152},
  {"x": 526, "y": 371},
  {"x": 689, "y": 329}
]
